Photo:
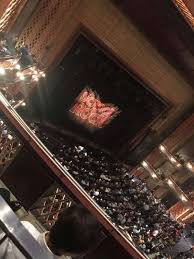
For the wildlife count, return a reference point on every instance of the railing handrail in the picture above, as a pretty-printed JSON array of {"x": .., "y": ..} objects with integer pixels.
[{"x": 16, "y": 232}]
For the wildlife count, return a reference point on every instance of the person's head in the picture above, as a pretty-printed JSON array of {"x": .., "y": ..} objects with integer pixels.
[{"x": 74, "y": 233}]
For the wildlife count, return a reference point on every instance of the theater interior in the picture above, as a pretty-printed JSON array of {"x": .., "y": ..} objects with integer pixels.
[{"x": 97, "y": 108}]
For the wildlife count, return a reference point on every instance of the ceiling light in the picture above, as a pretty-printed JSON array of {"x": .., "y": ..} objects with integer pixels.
[
  {"x": 172, "y": 159},
  {"x": 10, "y": 137},
  {"x": 32, "y": 68},
  {"x": 189, "y": 165},
  {"x": 178, "y": 165},
  {"x": 145, "y": 164},
  {"x": 36, "y": 79},
  {"x": 2, "y": 71},
  {"x": 22, "y": 77},
  {"x": 17, "y": 66},
  {"x": 18, "y": 74},
  {"x": 170, "y": 182},
  {"x": 183, "y": 198},
  {"x": 23, "y": 104},
  {"x": 154, "y": 175},
  {"x": 162, "y": 148}
]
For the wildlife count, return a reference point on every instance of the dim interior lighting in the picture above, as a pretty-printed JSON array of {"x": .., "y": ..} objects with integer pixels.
[
  {"x": 162, "y": 148},
  {"x": 2, "y": 71},
  {"x": 189, "y": 165},
  {"x": 145, "y": 164},
  {"x": 170, "y": 182},
  {"x": 183, "y": 198},
  {"x": 17, "y": 66}
]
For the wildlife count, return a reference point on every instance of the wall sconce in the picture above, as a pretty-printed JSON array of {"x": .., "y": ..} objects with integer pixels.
[
  {"x": 150, "y": 169},
  {"x": 189, "y": 165},
  {"x": 170, "y": 157}
]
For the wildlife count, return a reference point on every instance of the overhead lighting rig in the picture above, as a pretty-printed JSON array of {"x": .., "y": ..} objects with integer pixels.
[
  {"x": 14, "y": 73},
  {"x": 17, "y": 63},
  {"x": 16, "y": 66}
]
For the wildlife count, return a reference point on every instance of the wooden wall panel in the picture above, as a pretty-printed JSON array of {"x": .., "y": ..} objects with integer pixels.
[
  {"x": 3, "y": 6},
  {"x": 49, "y": 23},
  {"x": 11, "y": 11},
  {"x": 186, "y": 7},
  {"x": 190, "y": 5}
]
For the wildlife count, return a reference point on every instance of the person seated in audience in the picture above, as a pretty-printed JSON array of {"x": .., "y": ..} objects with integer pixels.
[{"x": 74, "y": 233}]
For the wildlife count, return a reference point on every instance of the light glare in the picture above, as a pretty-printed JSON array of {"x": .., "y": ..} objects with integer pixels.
[
  {"x": 162, "y": 148},
  {"x": 145, "y": 164},
  {"x": 183, "y": 198},
  {"x": 2, "y": 71},
  {"x": 170, "y": 182},
  {"x": 172, "y": 159},
  {"x": 18, "y": 67},
  {"x": 189, "y": 165}
]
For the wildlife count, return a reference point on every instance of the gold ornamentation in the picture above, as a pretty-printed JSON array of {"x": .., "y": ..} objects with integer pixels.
[
  {"x": 50, "y": 205},
  {"x": 184, "y": 11},
  {"x": 9, "y": 13}
]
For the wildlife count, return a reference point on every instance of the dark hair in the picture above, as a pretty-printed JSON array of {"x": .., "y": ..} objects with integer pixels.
[{"x": 75, "y": 231}]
